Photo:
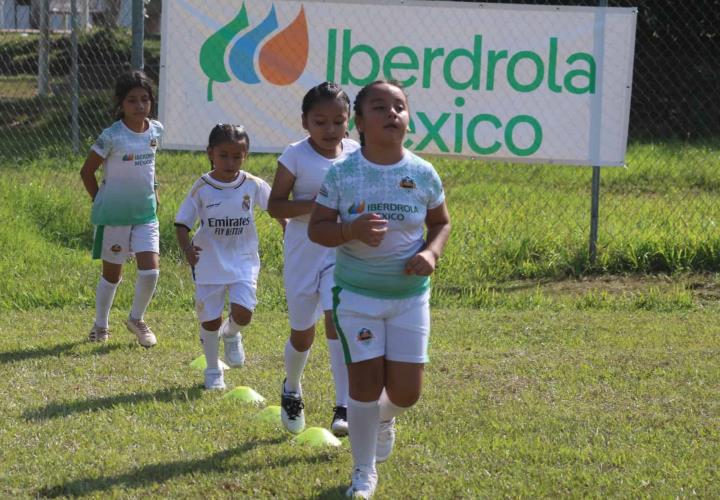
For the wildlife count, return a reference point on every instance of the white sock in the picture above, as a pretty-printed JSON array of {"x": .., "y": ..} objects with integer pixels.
[
  {"x": 363, "y": 424},
  {"x": 388, "y": 409},
  {"x": 104, "y": 295},
  {"x": 232, "y": 328},
  {"x": 144, "y": 289},
  {"x": 294, "y": 365},
  {"x": 209, "y": 340},
  {"x": 339, "y": 371}
]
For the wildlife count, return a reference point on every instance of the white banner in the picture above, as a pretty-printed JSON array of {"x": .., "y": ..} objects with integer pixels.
[{"x": 543, "y": 84}]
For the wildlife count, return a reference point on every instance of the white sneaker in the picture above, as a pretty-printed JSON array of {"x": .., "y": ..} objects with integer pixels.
[
  {"x": 234, "y": 351},
  {"x": 214, "y": 379},
  {"x": 99, "y": 334},
  {"x": 144, "y": 334},
  {"x": 339, "y": 425},
  {"x": 291, "y": 411},
  {"x": 364, "y": 482},
  {"x": 385, "y": 440}
]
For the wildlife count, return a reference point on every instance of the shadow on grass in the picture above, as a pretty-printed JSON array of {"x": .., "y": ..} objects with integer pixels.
[
  {"x": 159, "y": 473},
  {"x": 54, "y": 410},
  {"x": 56, "y": 350}
]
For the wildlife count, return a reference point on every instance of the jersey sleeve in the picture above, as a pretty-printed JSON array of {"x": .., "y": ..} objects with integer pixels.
[
  {"x": 436, "y": 193},
  {"x": 329, "y": 194},
  {"x": 187, "y": 214},
  {"x": 103, "y": 145},
  {"x": 262, "y": 194},
  {"x": 288, "y": 159}
]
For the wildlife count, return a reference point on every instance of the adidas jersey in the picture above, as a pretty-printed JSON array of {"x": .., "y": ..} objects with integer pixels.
[
  {"x": 309, "y": 168},
  {"x": 402, "y": 193},
  {"x": 127, "y": 193},
  {"x": 227, "y": 233}
]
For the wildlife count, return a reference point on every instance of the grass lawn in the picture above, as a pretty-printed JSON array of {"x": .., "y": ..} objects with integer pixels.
[{"x": 527, "y": 403}]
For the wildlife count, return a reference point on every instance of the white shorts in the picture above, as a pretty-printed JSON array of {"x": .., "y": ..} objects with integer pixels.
[
  {"x": 308, "y": 276},
  {"x": 115, "y": 244},
  {"x": 210, "y": 299},
  {"x": 398, "y": 329}
]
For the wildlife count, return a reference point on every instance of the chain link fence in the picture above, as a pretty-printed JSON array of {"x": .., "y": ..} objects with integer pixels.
[{"x": 510, "y": 220}]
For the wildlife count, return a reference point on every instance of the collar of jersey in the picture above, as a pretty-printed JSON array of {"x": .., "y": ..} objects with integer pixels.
[{"x": 224, "y": 185}]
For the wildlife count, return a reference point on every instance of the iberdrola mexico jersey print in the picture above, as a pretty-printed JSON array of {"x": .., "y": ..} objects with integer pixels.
[
  {"x": 127, "y": 194},
  {"x": 401, "y": 193},
  {"x": 227, "y": 234}
]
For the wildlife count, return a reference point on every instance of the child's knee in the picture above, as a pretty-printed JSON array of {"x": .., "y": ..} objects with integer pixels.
[{"x": 240, "y": 315}]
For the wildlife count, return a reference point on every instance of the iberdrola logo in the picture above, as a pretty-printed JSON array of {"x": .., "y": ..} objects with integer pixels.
[{"x": 281, "y": 59}]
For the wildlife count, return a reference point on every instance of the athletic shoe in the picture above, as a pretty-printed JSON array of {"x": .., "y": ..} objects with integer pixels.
[
  {"x": 291, "y": 411},
  {"x": 385, "y": 440},
  {"x": 214, "y": 379},
  {"x": 339, "y": 425},
  {"x": 99, "y": 334},
  {"x": 364, "y": 482},
  {"x": 234, "y": 351},
  {"x": 145, "y": 335}
]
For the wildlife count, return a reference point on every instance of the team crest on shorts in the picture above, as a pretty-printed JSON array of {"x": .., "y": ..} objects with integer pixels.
[
  {"x": 116, "y": 248},
  {"x": 246, "y": 202},
  {"x": 407, "y": 183},
  {"x": 153, "y": 142},
  {"x": 365, "y": 335}
]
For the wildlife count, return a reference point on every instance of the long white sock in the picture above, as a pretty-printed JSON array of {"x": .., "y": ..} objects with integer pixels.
[
  {"x": 104, "y": 295},
  {"x": 363, "y": 424},
  {"x": 232, "y": 328},
  {"x": 388, "y": 409},
  {"x": 144, "y": 289},
  {"x": 209, "y": 340},
  {"x": 339, "y": 371},
  {"x": 294, "y": 365}
]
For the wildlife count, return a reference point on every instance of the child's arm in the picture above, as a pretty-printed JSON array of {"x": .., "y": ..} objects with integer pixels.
[
  {"x": 424, "y": 262},
  {"x": 191, "y": 252},
  {"x": 87, "y": 173},
  {"x": 279, "y": 204}
]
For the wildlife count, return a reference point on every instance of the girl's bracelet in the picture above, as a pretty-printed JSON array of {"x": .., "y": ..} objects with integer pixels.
[{"x": 346, "y": 231}]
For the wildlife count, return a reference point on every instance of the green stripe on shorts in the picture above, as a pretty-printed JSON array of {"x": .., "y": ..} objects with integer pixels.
[
  {"x": 98, "y": 242},
  {"x": 336, "y": 302}
]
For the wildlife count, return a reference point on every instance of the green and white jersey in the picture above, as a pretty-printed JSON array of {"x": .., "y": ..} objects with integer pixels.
[
  {"x": 127, "y": 192},
  {"x": 401, "y": 193}
]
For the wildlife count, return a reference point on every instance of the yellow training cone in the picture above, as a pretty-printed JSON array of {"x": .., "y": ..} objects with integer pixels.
[
  {"x": 317, "y": 436},
  {"x": 199, "y": 363},
  {"x": 245, "y": 394},
  {"x": 271, "y": 414}
]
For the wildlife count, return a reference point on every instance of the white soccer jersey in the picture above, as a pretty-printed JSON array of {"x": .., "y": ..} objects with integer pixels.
[
  {"x": 127, "y": 192},
  {"x": 227, "y": 234},
  {"x": 309, "y": 168},
  {"x": 401, "y": 193}
]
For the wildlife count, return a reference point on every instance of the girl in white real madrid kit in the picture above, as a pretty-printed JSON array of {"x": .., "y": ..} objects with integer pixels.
[
  {"x": 308, "y": 269},
  {"x": 385, "y": 197},
  {"x": 124, "y": 208},
  {"x": 223, "y": 253}
]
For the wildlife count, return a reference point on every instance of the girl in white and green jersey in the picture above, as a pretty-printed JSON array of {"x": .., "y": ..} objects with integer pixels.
[
  {"x": 385, "y": 198},
  {"x": 124, "y": 208}
]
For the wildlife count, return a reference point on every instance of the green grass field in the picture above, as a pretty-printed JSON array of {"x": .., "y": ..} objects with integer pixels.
[{"x": 549, "y": 376}]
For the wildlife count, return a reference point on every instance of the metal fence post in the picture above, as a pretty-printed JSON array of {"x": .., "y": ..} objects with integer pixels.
[
  {"x": 138, "y": 33},
  {"x": 43, "y": 88},
  {"x": 74, "y": 76},
  {"x": 595, "y": 188}
]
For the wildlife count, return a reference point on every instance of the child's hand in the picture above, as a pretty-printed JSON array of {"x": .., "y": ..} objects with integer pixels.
[
  {"x": 369, "y": 228},
  {"x": 192, "y": 254},
  {"x": 421, "y": 264}
]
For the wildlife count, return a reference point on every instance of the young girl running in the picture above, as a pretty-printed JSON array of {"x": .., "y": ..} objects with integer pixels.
[
  {"x": 309, "y": 267},
  {"x": 223, "y": 253},
  {"x": 384, "y": 196},
  {"x": 124, "y": 208}
]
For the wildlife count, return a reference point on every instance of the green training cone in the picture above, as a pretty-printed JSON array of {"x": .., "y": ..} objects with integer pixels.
[
  {"x": 245, "y": 394},
  {"x": 199, "y": 363},
  {"x": 317, "y": 436},
  {"x": 271, "y": 414}
]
